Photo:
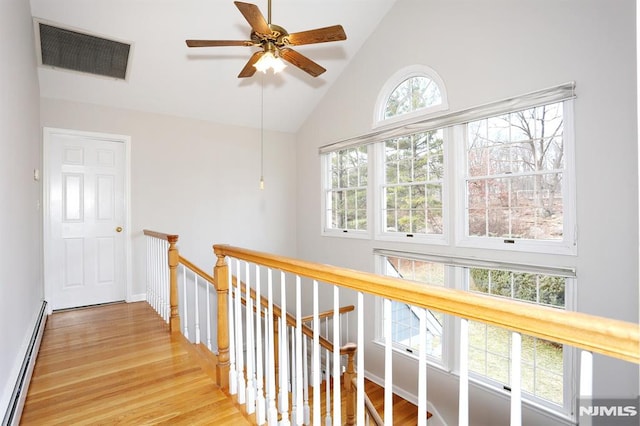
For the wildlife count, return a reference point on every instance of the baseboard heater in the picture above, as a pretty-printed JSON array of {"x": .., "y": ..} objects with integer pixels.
[{"x": 19, "y": 395}]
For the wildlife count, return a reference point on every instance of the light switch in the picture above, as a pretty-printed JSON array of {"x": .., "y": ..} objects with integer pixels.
[{"x": 36, "y": 174}]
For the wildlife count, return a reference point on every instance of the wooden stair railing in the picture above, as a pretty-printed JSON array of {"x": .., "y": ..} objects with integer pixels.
[
  {"x": 220, "y": 283},
  {"x": 614, "y": 338},
  {"x": 291, "y": 321},
  {"x": 173, "y": 258},
  {"x": 609, "y": 337},
  {"x": 348, "y": 349},
  {"x": 589, "y": 333}
]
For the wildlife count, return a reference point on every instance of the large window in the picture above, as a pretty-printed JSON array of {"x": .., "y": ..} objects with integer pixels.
[
  {"x": 405, "y": 318},
  {"x": 412, "y": 188},
  {"x": 542, "y": 367},
  {"x": 515, "y": 170},
  {"x": 466, "y": 189},
  {"x": 346, "y": 190},
  {"x": 545, "y": 366}
]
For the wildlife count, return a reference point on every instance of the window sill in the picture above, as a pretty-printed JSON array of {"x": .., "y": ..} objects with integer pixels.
[
  {"x": 531, "y": 246},
  {"x": 412, "y": 238},
  {"x": 431, "y": 361},
  {"x": 340, "y": 233}
]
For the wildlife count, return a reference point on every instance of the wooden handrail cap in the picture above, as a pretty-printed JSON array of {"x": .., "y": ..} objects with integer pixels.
[{"x": 349, "y": 347}]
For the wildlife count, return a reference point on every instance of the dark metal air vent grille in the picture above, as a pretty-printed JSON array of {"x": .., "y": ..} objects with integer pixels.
[{"x": 72, "y": 50}]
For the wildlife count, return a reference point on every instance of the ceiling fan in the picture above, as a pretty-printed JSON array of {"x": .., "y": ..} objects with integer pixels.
[{"x": 275, "y": 42}]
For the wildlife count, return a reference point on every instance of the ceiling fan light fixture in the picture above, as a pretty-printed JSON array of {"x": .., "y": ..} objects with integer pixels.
[
  {"x": 269, "y": 60},
  {"x": 275, "y": 42}
]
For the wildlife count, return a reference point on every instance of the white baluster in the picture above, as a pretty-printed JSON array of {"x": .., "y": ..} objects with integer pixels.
[
  {"x": 360, "y": 362},
  {"x": 272, "y": 411},
  {"x": 150, "y": 265},
  {"x": 516, "y": 389},
  {"x": 251, "y": 378},
  {"x": 316, "y": 357},
  {"x": 154, "y": 275},
  {"x": 422, "y": 370},
  {"x": 337, "y": 398},
  {"x": 151, "y": 253},
  {"x": 158, "y": 279},
  {"x": 233, "y": 374},
  {"x": 155, "y": 271},
  {"x": 196, "y": 309},
  {"x": 294, "y": 379},
  {"x": 260, "y": 401},
  {"x": 160, "y": 267},
  {"x": 305, "y": 385},
  {"x": 185, "y": 321},
  {"x": 147, "y": 269},
  {"x": 283, "y": 397},
  {"x": 388, "y": 363},
  {"x": 167, "y": 308},
  {"x": 239, "y": 339},
  {"x": 586, "y": 385},
  {"x": 463, "y": 402},
  {"x": 163, "y": 281},
  {"x": 327, "y": 420},
  {"x": 298, "y": 354},
  {"x": 207, "y": 287}
]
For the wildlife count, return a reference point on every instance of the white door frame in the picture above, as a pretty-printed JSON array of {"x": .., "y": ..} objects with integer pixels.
[{"x": 46, "y": 148}]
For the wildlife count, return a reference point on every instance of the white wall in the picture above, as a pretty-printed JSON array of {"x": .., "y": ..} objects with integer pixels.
[
  {"x": 20, "y": 221},
  {"x": 196, "y": 179},
  {"x": 486, "y": 51}
]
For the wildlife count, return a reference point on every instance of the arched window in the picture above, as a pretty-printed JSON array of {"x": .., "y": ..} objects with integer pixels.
[{"x": 411, "y": 92}]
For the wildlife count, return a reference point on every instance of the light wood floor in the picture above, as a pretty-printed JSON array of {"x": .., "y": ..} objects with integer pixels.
[{"x": 118, "y": 364}]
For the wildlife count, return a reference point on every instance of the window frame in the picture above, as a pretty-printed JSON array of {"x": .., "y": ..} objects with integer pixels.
[
  {"x": 453, "y": 245},
  {"x": 448, "y": 326},
  {"x": 569, "y": 353},
  {"x": 380, "y": 202},
  {"x": 325, "y": 184},
  {"x": 456, "y": 273},
  {"x": 566, "y": 246},
  {"x": 396, "y": 80}
]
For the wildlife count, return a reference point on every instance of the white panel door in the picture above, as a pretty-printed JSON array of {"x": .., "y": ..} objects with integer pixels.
[{"x": 85, "y": 258}]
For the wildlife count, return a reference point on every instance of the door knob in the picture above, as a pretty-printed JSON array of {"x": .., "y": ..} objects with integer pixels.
[{"x": 119, "y": 229}]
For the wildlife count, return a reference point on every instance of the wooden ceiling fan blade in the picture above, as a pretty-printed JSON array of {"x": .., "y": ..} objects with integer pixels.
[
  {"x": 249, "y": 70},
  {"x": 301, "y": 62},
  {"x": 216, "y": 43},
  {"x": 254, "y": 17},
  {"x": 319, "y": 35}
]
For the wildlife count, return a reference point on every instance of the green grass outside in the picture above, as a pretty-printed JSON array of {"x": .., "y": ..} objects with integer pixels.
[{"x": 489, "y": 353}]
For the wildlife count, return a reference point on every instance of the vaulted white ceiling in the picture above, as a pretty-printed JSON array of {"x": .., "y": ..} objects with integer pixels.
[{"x": 167, "y": 77}]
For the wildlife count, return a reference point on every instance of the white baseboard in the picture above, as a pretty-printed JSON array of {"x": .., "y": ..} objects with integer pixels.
[
  {"x": 22, "y": 371},
  {"x": 141, "y": 297}
]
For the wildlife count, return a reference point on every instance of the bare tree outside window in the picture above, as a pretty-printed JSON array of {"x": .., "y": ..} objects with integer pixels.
[
  {"x": 347, "y": 193},
  {"x": 515, "y": 165}
]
